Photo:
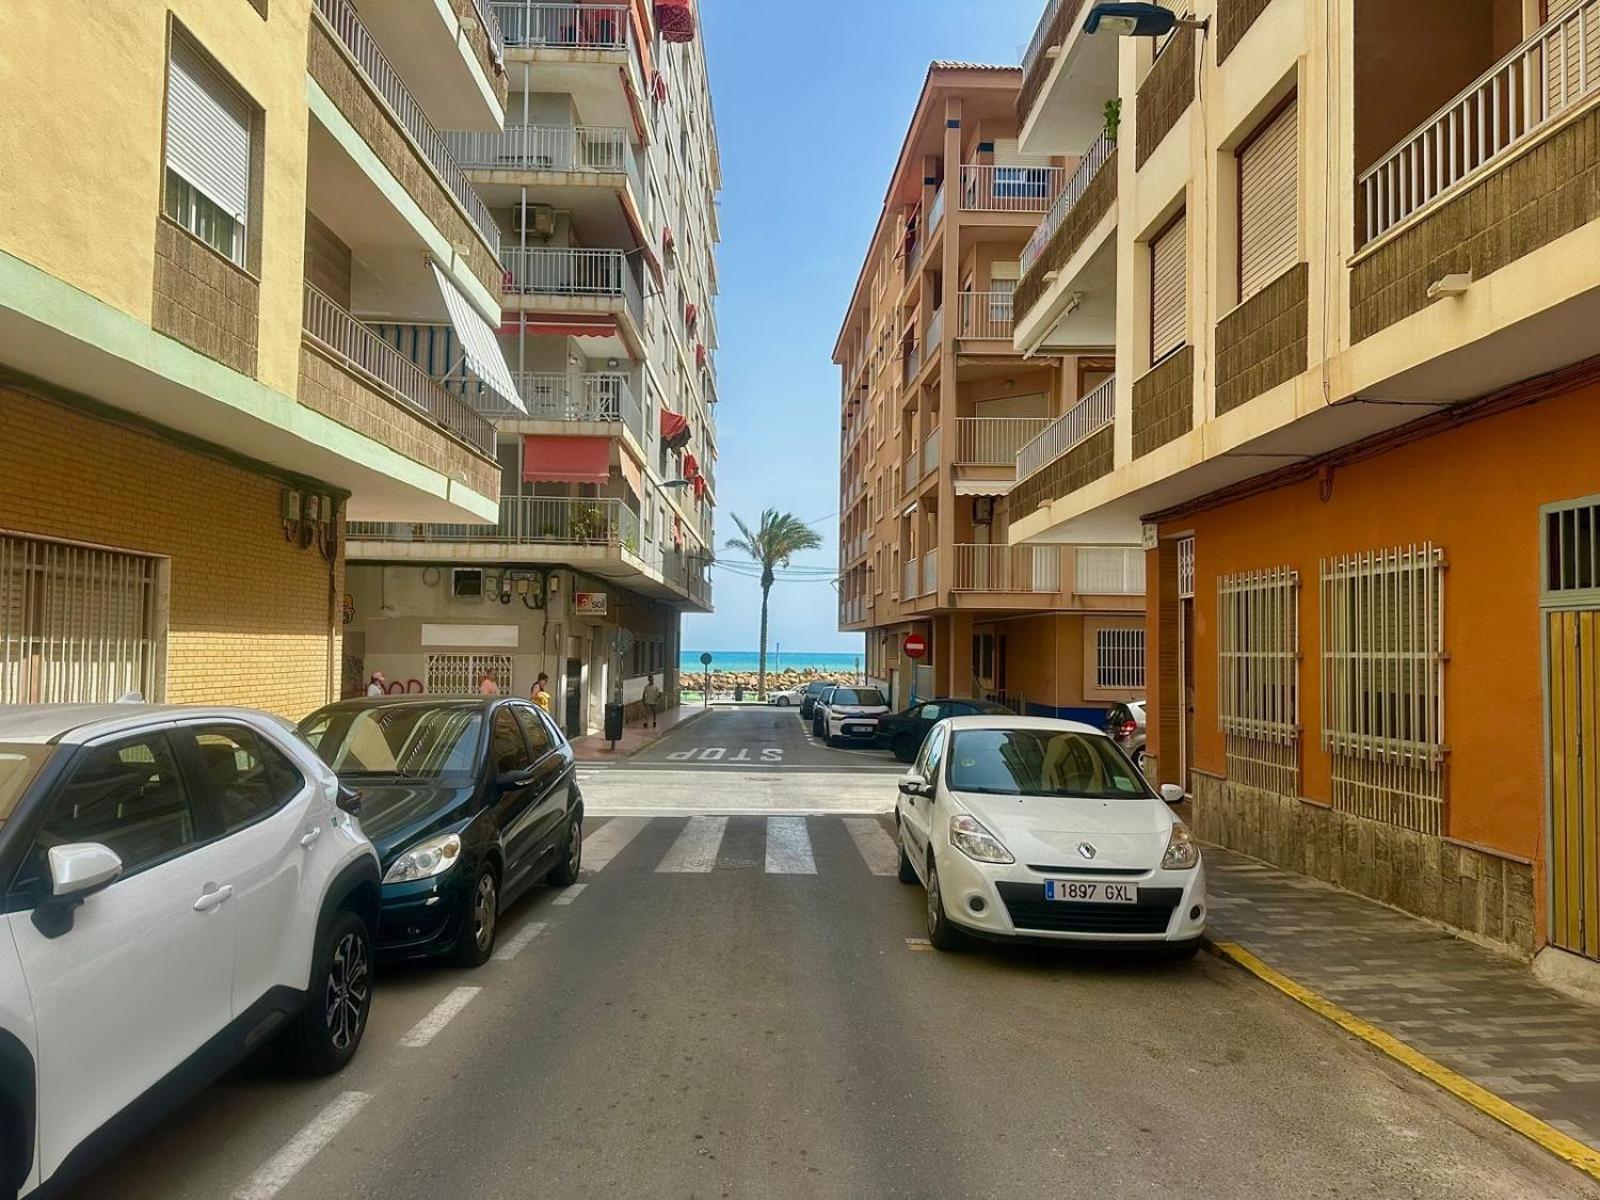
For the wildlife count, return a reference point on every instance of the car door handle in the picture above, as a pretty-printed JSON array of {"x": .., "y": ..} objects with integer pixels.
[
  {"x": 311, "y": 836},
  {"x": 213, "y": 896}
]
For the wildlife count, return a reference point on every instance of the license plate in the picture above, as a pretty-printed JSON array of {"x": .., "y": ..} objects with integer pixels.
[
  {"x": 858, "y": 729},
  {"x": 1074, "y": 891}
]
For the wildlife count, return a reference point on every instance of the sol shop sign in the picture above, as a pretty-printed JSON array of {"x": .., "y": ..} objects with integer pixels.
[
  {"x": 915, "y": 645},
  {"x": 589, "y": 604}
]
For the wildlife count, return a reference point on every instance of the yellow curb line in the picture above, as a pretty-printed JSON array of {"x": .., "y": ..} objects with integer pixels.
[{"x": 1563, "y": 1146}]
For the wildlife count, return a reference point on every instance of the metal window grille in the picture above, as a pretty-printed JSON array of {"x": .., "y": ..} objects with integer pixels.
[
  {"x": 78, "y": 624},
  {"x": 1258, "y": 695},
  {"x": 1119, "y": 659},
  {"x": 1572, "y": 551},
  {"x": 1186, "y": 569},
  {"x": 1383, "y": 684},
  {"x": 457, "y": 674}
]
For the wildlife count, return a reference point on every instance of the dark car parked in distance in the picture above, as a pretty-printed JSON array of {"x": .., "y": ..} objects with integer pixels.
[
  {"x": 469, "y": 802},
  {"x": 814, "y": 689},
  {"x": 902, "y": 732}
]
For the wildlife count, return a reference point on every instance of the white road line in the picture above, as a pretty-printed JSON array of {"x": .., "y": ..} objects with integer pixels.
[
  {"x": 695, "y": 851},
  {"x": 789, "y": 847},
  {"x": 876, "y": 846},
  {"x": 600, "y": 847},
  {"x": 525, "y": 935},
  {"x": 569, "y": 894},
  {"x": 283, "y": 1166},
  {"x": 425, "y": 1030}
]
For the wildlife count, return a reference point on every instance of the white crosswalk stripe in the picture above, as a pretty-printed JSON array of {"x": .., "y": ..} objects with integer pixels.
[
  {"x": 605, "y": 843},
  {"x": 695, "y": 851},
  {"x": 877, "y": 848},
  {"x": 789, "y": 847}
]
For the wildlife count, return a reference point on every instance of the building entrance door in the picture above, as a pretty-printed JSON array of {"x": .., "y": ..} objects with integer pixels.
[
  {"x": 574, "y": 690},
  {"x": 1572, "y": 690}
]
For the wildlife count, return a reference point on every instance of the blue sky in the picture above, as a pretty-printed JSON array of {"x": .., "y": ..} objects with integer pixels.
[{"x": 812, "y": 102}]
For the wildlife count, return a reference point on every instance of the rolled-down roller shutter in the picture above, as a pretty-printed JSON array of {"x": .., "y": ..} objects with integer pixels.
[
  {"x": 208, "y": 131},
  {"x": 1269, "y": 241},
  {"x": 1169, "y": 291}
]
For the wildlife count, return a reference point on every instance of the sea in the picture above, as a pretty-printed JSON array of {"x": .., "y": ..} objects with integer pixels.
[{"x": 777, "y": 660}]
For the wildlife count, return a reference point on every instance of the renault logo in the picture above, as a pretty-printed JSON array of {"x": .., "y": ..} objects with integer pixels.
[{"x": 1085, "y": 849}]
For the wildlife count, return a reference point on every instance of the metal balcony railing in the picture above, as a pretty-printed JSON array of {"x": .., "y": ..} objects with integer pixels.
[
  {"x": 913, "y": 360},
  {"x": 562, "y": 271},
  {"x": 571, "y": 26},
  {"x": 988, "y": 188},
  {"x": 1550, "y": 74},
  {"x": 911, "y": 579},
  {"x": 590, "y": 149},
  {"x": 933, "y": 339},
  {"x": 597, "y": 396},
  {"x": 986, "y": 315},
  {"x": 1084, "y": 419},
  {"x": 994, "y": 441},
  {"x": 1041, "y": 34},
  {"x": 347, "y": 27},
  {"x": 989, "y": 568},
  {"x": 524, "y": 520},
  {"x": 936, "y": 210},
  {"x": 1082, "y": 176},
  {"x": 346, "y": 339},
  {"x": 1110, "y": 571},
  {"x": 930, "y": 452},
  {"x": 491, "y": 27},
  {"x": 930, "y": 572}
]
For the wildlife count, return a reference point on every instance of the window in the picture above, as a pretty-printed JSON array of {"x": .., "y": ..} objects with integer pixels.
[
  {"x": 208, "y": 152},
  {"x": 425, "y": 739},
  {"x": 466, "y": 584},
  {"x": 1269, "y": 213},
  {"x": 1383, "y": 684},
  {"x": 932, "y": 755},
  {"x": 1119, "y": 659},
  {"x": 535, "y": 730},
  {"x": 247, "y": 778},
  {"x": 461, "y": 673},
  {"x": 507, "y": 746},
  {"x": 1037, "y": 762},
  {"x": 1169, "y": 289},
  {"x": 1258, "y": 661}
]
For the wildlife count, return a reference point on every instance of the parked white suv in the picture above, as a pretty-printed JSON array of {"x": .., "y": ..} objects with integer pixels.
[
  {"x": 850, "y": 714},
  {"x": 177, "y": 886}
]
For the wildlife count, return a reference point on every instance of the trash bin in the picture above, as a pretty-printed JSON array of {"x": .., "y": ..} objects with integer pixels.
[
  {"x": 614, "y": 715},
  {"x": 738, "y": 691}
]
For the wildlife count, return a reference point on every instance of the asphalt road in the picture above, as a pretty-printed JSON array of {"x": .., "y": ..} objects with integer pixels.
[{"x": 741, "y": 1006}]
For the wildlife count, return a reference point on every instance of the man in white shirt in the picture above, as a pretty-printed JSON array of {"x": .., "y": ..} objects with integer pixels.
[
  {"x": 652, "y": 701},
  {"x": 377, "y": 685}
]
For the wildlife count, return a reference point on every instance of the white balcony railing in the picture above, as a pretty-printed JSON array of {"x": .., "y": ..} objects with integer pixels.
[
  {"x": 936, "y": 211},
  {"x": 930, "y": 572},
  {"x": 930, "y": 452},
  {"x": 994, "y": 441},
  {"x": 524, "y": 520},
  {"x": 1082, "y": 176},
  {"x": 933, "y": 339},
  {"x": 911, "y": 579},
  {"x": 987, "y": 188},
  {"x": 1550, "y": 74},
  {"x": 570, "y": 26},
  {"x": 913, "y": 470},
  {"x": 1025, "y": 568},
  {"x": 986, "y": 315},
  {"x": 561, "y": 271},
  {"x": 1110, "y": 571},
  {"x": 491, "y": 28},
  {"x": 587, "y": 149},
  {"x": 1084, "y": 419},
  {"x": 596, "y": 396}
]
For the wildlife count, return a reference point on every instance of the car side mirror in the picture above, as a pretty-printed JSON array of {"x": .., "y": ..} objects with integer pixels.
[
  {"x": 916, "y": 785},
  {"x": 349, "y": 800},
  {"x": 77, "y": 870},
  {"x": 1172, "y": 793}
]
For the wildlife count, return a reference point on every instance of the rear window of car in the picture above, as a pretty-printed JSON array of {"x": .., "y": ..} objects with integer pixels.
[
  {"x": 19, "y": 763},
  {"x": 816, "y": 689},
  {"x": 867, "y": 697}
]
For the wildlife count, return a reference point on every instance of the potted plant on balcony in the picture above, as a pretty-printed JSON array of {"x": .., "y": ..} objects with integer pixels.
[{"x": 1113, "y": 119}]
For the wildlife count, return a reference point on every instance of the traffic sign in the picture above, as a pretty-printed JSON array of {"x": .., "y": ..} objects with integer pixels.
[
  {"x": 705, "y": 659},
  {"x": 915, "y": 645}
]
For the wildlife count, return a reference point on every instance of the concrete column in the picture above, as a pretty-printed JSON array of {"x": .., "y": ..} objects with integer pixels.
[
  {"x": 1163, "y": 664},
  {"x": 949, "y": 263}
]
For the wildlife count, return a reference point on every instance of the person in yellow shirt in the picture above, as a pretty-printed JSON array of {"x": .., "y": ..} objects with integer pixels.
[{"x": 541, "y": 692}]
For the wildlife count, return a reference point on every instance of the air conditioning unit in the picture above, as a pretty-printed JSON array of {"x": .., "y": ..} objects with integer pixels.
[{"x": 534, "y": 220}]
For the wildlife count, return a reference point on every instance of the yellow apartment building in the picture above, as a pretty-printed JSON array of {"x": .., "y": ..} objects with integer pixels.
[
  {"x": 937, "y": 405},
  {"x": 1353, "y": 254}
]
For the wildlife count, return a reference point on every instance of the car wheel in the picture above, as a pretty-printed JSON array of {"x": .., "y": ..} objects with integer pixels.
[
  {"x": 832, "y": 741},
  {"x": 783, "y": 702},
  {"x": 483, "y": 916},
  {"x": 1138, "y": 759},
  {"x": 941, "y": 933},
  {"x": 327, "y": 1031},
  {"x": 565, "y": 873},
  {"x": 906, "y": 747},
  {"x": 908, "y": 873}
]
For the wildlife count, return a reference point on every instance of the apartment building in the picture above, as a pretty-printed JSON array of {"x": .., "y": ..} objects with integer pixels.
[
  {"x": 207, "y": 209},
  {"x": 602, "y": 188},
  {"x": 937, "y": 406},
  {"x": 1351, "y": 248}
]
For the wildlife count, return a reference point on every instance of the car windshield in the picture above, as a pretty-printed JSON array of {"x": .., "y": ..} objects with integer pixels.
[
  {"x": 866, "y": 697},
  {"x": 816, "y": 689},
  {"x": 414, "y": 740},
  {"x": 1042, "y": 762},
  {"x": 19, "y": 763}
]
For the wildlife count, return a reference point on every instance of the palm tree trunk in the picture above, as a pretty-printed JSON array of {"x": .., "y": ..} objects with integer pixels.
[{"x": 761, "y": 662}]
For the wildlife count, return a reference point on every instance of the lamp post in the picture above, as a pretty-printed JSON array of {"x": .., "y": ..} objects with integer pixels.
[{"x": 1138, "y": 20}]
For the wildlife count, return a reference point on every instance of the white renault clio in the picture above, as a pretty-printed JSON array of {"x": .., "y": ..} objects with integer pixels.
[{"x": 1034, "y": 829}]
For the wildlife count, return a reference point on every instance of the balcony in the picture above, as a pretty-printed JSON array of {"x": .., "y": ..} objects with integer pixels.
[
  {"x": 1109, "y": 570},
  {"x": 598, "y": 397},
  {"x": 1070, "y": 196},
  {"x": 933, "y": 338},
  {"x": 581, "y": 50},
  {"x": 571, "y": 149},
  {"x": 995, "y": 441},
  {"x": 1077, "y": 425},
  {"x": 451, "y": 55},
  {"x": 524, "y": 521},
  {"x": 930, "y": 573},
  {"x": 910, "y": 580},
  {"x": 987, "y": 316},
  {"x": 936, "y": 212},
  {"x": 1012, "y": 569},
  {"x": 1010, "y": 189},
  {"x": 1068, "y": 76},
  {"x": 559, "y": 279}
]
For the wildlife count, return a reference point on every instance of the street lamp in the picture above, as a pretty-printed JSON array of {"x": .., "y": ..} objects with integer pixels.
[{"x": 1137, "y": 20}]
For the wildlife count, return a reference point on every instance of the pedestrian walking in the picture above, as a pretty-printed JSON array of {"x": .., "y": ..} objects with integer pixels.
[
  {"x": 541, "y": 692},
  {"x": 377, "y": 685},
  {"x": 652, "y": 701},
  {"x": 487, "y": 686}
]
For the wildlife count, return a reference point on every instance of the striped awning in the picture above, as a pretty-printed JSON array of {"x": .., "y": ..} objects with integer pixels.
[{"x": 477, "y": 341}]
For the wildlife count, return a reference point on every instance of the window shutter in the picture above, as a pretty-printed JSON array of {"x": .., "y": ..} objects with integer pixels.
[
  {"x": 1169, "y": 293},
  {"x": 1268, "y": 204},
  {"x": 208, "y": 131}
]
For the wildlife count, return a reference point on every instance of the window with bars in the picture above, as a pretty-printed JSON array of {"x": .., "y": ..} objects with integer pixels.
[
  {"x": 460, "y": 674},
  {"x": 1119, "y": 659},
  {"x": 1572, "y": 549},
  {"x": 1383, "y": 684},
  {"x": 1258, "y": 659}
]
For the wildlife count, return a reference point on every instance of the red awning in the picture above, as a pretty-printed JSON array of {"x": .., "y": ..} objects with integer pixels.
[
  {"x": 675, "y": 19},
  {"x": 583, "y": 326},
  {"x": 556, "y": 459},
  {"x": 691, "y": 466},
  {"x": 699, "y": 486},
  {"x": 674, "y": 429}
]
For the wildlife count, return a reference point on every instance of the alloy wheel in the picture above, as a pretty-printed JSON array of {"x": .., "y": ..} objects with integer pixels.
[
  {"x": 485, "y": 911},
  {"x": 348, "y": 990},
  {"x": 935, "y": 905},
  {"x": 575, "y": 848}
]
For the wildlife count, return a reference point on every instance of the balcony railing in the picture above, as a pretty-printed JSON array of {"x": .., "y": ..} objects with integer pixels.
[
  {"x": 558, "y": 271},
  {"x": 347, "y": 27},
  {"x": 913, "y": 470},
  {"x": 1082, "y": 176},
  {"x": 524, "y": 520},
  {"x": 994, "y": 441},
  {"x": 1041, "y": 34},
  {"x": 933, "y": 339},
  {"x": 910, "y": 579},
  {"x": 936, "y": 211},
  {"x": 346, "y": 339},
  {"x": 930, "y": 572},
  {"x": 582, "y": 148},
  {"x": 1084, "y": 419},
  {"x": 491, "y": 28},
  {"x": 930, "y": 452},
  {"x": 597, "y": 396},
  {"x": 985, "y": 568},
  {"x": 571, "y": 26},
  {"x": 986, "y": 315},
  {"x": 1110, "y": 571},
  {"x": 1010, "y": 189},
  {"x": 913, "y": 360},
  {"x": 1550, "y": 74}
]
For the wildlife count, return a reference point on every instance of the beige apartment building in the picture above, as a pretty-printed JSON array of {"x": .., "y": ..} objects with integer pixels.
[
  {"x": 602, "y": 188},
  {"x": 937, "y": 405},
  {"x": 209, "y": 208},
  {"x": 1352, "y": 249}
]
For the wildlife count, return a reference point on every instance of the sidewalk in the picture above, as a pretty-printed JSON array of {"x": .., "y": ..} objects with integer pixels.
[
  {"x": 635, "y": 737},
  {"x": 1472, "y": 1011}
]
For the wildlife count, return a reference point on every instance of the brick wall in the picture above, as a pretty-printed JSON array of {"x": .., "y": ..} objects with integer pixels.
[
  {"x": 203, "y": 300},
  {"x": 467, "y": 13},
  {"x": 1089, "y": 460},
  {"x": 1262, "y": 343},
  {"x": 1537, "y": 197},
  {"x": 1163, "y": 402},
  {"x": 333, "y": 391},
  {"x": 1234, "y": 18},
  {"x": 1098, "y": 199},
  {"x": 327, "y": 261},
  {"x": 336, "y": 75},
  {"x": 1164, "y": 94},
  {"x": 249, "y": 620}
]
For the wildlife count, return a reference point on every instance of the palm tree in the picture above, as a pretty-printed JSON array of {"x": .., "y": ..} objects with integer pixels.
[{"x": 778, "y": 538}]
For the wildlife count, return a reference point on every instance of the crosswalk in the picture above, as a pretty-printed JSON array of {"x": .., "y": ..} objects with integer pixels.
[{"x": 699, "y": 845}]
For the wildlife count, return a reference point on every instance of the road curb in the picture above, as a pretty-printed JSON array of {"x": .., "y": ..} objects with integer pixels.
[
  {"x": 671, "y": 729},
  {"x": 1565, "y": 1147}
]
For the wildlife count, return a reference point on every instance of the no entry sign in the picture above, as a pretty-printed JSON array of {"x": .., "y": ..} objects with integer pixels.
[{"x": 916, "y": 645}]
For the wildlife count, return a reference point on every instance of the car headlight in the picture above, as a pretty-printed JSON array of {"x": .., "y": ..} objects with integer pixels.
[
  {"x": 426, "y": 859},
  {"x": 976, "y": 842},
  {"x": 1183, "y": 851}
]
